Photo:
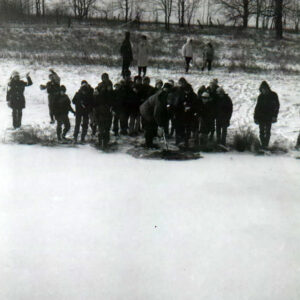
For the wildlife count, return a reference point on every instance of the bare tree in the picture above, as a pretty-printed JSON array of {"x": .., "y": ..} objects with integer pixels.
[
  {"x": 238, "y": 10},
  {"x": 166, "y": 7},
  {"x": 82, "y": 8},
  {"x": 186, "y": 10},
  {"x": 125, "y": 7}
]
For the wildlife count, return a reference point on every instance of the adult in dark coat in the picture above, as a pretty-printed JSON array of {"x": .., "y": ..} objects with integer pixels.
[
  {"x": 126, "y": 53},
  {"x": 83, "y": 101},
  {"x": 223, "y": 115},
  {"x": 61, "y": 108},
  {"x": 128, "y": 99},
  {"x": 154, "y": 113},
  {"x": 266, "y": 112},
  {"x": 208, "y": 56},
  {"x": 103, "y": 103},
  {"x": 15, "y": 97},
  {"x": 53, "y": 90}
]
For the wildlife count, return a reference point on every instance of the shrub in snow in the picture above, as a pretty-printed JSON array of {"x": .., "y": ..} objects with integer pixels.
[{"x": 245, "y": 140}]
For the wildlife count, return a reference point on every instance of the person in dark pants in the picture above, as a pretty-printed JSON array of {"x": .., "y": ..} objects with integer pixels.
[
  {"x": 187, "y": 53},
  {"x": 127, "y": 96},
  {"x": 212, "y": 90},
  {"x": 15, "y": 97},
  {"x": 83, "y": 101},
  {"x": 208, "y": 57},
  {"x": 61, "y": 109},
  {"x": 126, "y": 53},
  {"x": 266, "y": 112},
  {"x": 103, "y": 103},
  {"x": 53, "y": 90},
  {"x": 223, "y": 115},
  {"x": 208, "y": 113},
  {"x": 154, "y": 113},
  {"x": 117, "y": 107}
]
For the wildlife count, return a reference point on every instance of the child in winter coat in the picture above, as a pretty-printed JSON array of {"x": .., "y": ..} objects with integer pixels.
[
  {"x": 53, "y": 90},
  {"x": 61, "y": 109},
  {"x": 15, "y": 97},
  {"x": 103, "y": 103},
  {"x": 83, "y": 101},
  {"x": 187, "y": 53}
]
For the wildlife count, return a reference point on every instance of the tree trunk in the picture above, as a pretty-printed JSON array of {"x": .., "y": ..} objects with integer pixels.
[
  {"x": 278, "y": 18},
  {"x": 182, "y": 12},
  {"x": 246, "y": 13}
]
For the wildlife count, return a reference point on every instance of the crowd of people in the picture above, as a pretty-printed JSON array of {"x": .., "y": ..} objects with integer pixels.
[{"x": 133, "y": 105}]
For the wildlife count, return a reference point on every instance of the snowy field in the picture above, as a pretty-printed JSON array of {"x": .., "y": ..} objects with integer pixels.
[{"x": 77, "y": 223}]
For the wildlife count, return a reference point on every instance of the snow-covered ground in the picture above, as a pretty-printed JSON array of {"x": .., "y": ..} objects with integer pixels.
[{"x": 76, "y": 223}]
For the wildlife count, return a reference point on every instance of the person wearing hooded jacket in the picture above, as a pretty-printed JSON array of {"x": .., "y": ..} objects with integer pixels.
[
  {"x": 126, "y": 53},
  {"x": 154, "y": 113},
  {"x": 187, "y": 53},
  {"x": 15, "y": 96},
  {"x": 223, "y": 115},
  {"x": 83, "y": 101},
  {"x": 266, "y": 112},
  {"x": 142, "y": 58}
]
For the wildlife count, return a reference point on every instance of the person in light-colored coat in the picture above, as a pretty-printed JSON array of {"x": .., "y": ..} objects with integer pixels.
[
  {"x": 187, "y": 53},
  {"x": 143, "y": 50}
]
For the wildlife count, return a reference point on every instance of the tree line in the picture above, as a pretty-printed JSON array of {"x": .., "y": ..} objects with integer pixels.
[{"x": 266, "y": 14}]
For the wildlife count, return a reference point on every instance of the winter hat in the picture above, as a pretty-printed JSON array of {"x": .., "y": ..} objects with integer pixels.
[
  {"x": 215, "y": 81},
  {"x": 167, "y": 86},
  {"x": 171, "y": 81},
  {"x": 84, "y": 82},
  {"x": 158, "y": 81},
  {"x": 220, "y": 91},
  {"x": 146, "y": 79},
  {"x": 14, "y": 74},
  {"x": 63, "y": 88},
  {"x": 136, "y": 78}
]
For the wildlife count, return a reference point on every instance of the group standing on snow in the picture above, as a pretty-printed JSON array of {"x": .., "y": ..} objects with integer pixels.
[{"x": 132, "y": 106}]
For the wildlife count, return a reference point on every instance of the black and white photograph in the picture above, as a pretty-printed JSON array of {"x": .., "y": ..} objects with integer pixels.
[{"x": 149, "y": 149}]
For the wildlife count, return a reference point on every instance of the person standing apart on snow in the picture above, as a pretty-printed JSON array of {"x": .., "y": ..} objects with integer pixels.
[
  {"x": 15, "y": 97},
  {"x": 266, "y": 112},
  {"x": 143, "y": 50},
  {"x": 126, "y": 53},
  {"x": 187, "y": 53},
  {"x": 208, "y": 56}
]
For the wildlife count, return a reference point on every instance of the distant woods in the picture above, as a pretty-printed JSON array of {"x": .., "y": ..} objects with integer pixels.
[{"x": 263, "y": 14}]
